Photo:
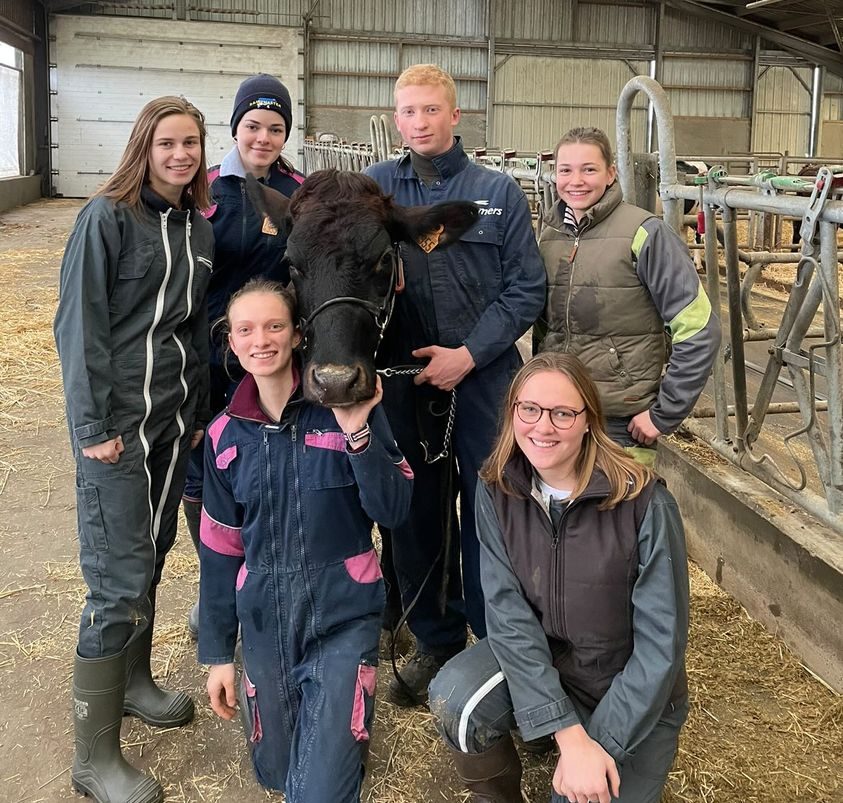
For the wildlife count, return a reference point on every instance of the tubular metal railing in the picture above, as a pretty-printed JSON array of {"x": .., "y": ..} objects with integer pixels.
[{"x": 794, "y": 349}]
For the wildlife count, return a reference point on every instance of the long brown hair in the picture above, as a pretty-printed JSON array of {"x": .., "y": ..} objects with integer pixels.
[
  {"x": 132, "y": 172},
  {"x": 626, "y": 477}
]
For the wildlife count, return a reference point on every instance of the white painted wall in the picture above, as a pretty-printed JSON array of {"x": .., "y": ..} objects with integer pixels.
[{"x": 107, "y": 68}]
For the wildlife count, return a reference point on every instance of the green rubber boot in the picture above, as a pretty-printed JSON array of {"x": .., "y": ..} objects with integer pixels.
[
  {"x": 144, "y": 698},
  {"x": 99, "y": 769}
]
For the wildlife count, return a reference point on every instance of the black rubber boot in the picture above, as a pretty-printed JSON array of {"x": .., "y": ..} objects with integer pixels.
[
  {"x": 193, "y": 515},
  {"x": 99, "y": 769},
  {"x": 144, "y": 699},
  {"x": 416, "y": 675},
  {"x": 493, "y": 776}
]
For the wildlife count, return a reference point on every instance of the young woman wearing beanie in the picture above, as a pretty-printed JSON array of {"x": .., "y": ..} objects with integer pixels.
[{"x": 246, "y": 245}]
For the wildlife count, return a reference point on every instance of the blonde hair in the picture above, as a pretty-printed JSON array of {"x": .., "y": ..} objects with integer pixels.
[
  {"x": 428, "y": 75},
  {"x": 588, "y": 136},
  {"x": 627, "y": 478},
  {"x": 132, "y": 172}
]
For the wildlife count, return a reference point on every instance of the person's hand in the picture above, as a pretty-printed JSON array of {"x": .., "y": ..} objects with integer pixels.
[
  {"x": 447, "y": 367},
  {"x": 585, "y": 772},
  {"x": 105, "y": 452},
  {"x": 354, "y": 416},
  {"x": 642, "y": 428},
  {"x": 197, "y": 438},
  {"x": 221, "y": 690}
]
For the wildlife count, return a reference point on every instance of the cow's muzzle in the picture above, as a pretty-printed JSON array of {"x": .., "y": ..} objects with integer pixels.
[{"x": 338, "y": 385}]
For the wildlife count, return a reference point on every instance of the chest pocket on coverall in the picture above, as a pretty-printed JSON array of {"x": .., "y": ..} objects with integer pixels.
[
  {"x": 325, "y": 461},
  {"x": 131, "y": 292},
  {"x": 477, "y": 263}
]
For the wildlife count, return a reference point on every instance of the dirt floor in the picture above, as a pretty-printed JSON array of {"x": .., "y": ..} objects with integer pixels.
[{"x": 761, "y": 729}]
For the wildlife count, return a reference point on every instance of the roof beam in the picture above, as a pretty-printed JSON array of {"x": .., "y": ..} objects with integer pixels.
[
  {"x": 834, "y": 27},
  {"x": 816, "y": 54},
  {"x": 802, "y": 23},
  {"x": 752, "y": 8}
]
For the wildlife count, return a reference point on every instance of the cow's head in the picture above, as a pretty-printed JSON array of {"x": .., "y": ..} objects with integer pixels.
[{"x": 342, "y": 247}]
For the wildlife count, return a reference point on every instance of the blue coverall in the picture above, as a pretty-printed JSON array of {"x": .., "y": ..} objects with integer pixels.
[
  {"x": 244, "y": 249},
  {"x": 482, "y": 292},
  {"x": 287, "y": 554}
]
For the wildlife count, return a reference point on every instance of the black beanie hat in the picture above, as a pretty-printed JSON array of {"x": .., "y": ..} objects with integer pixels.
[{"x": 262, "y": 92}]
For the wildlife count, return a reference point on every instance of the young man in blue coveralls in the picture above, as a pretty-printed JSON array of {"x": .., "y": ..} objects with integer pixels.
[{"x": 463, "y": 309}]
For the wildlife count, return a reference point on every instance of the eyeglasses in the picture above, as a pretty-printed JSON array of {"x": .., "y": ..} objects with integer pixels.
[{"x": 561, "y": 417}]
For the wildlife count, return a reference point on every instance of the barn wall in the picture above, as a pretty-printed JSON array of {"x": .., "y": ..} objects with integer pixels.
[
  {"x": 831, "y": 127},
  {"x": 552, "y": 65},
  {"x": 534, "y": 20},
  {"x": 108, "y": 68},
  {"x": 19, "y": 110},
  {"x": 16, "y": 23},
  {"x": 538, "y": 98},
  {"x": 783, "y": 112}
]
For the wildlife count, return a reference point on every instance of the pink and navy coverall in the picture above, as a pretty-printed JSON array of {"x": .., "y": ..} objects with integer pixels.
[{"x": 287, "y": 555}]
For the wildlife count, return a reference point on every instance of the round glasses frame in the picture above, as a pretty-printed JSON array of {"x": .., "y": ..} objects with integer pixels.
[{"x": 561, "y": 417}]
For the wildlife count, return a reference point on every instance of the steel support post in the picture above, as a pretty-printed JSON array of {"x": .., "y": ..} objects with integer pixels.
[
  {"x": 667, "y": 146},
  {"x": 733, "y": 290},
  {"x": 834, "y": 369},
  {"x": 712, "y": 278}
]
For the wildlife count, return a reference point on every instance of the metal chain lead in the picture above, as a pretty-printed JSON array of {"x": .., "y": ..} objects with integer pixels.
[{"x": 452, "y": 412}]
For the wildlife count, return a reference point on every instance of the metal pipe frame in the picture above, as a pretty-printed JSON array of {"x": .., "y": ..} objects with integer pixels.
[
  {"x": 667, "y": 147},
  {"x": 803, "y": 363}
]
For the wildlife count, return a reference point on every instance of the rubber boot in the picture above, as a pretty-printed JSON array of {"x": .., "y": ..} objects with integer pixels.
[
  {"x": 493, "y": 776},
  {"x": 193, "y": 515},
  {"x": 144, "y": 699},
  {"x": 99, "y": 769}
]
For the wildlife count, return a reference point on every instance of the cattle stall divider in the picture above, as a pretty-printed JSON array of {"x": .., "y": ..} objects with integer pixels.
[{"x": 816, "y": 287}]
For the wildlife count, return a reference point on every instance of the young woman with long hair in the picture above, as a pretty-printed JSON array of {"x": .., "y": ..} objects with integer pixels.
[
  {"x": 586, "y": 583},
  {"x": 132, "y": 338}
]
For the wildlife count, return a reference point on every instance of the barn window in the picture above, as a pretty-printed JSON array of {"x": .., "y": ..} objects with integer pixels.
[{"x": 11, "y": 92}]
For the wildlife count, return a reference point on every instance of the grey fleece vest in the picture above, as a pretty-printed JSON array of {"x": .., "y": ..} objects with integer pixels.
[{"x": 598, "y": 309}]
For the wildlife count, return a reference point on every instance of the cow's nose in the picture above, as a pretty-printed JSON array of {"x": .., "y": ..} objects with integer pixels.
[{"x": 334, "y": 381}]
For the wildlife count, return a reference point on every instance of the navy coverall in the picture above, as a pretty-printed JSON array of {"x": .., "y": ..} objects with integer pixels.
[
  {"x": 483, "y": 292},
  {"x": 287, "y": 553},
  {"x": 244, "y": 249}
]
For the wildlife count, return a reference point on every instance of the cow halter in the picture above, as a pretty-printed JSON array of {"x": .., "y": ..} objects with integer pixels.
[{"x": 380, "y": 312}]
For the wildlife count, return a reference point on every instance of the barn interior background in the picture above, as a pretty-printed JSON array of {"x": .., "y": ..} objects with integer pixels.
[
  {"x": 755, "y": 76},
  {"x": 742, "y": 77}
]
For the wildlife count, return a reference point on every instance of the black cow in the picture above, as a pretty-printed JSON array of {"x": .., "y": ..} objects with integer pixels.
[{"x": 343, "y": 236}]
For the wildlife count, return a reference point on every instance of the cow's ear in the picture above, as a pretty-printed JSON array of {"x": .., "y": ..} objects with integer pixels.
[
  {"x": 269, "y": 203},
  {"x": 433, "y": 226}
]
